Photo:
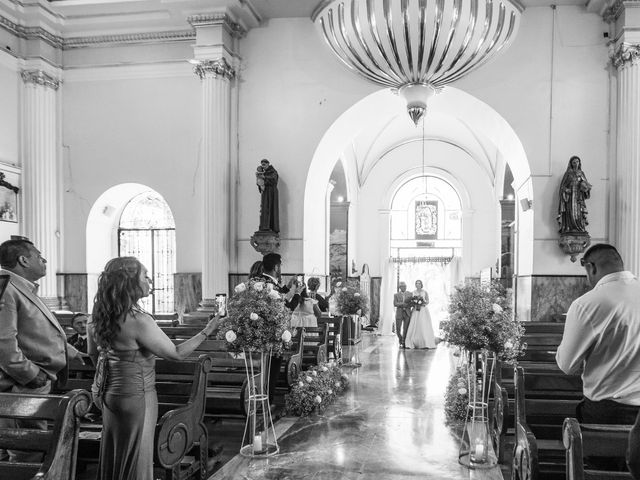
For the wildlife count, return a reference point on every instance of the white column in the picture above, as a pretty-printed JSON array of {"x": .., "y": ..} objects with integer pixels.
[
  {"x": 627, "y": 175},
  {"x": 216, "y": 76},
  {"x": 40, "y": 173}
]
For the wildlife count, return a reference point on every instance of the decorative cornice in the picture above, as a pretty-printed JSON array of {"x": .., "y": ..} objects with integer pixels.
[
  {"x": 39, "y": 77},
  {"x": 625, "y": 54},
  {"x": 223, "y": 19},
  {"x": 128, "y": 38},
  {"x": 215, "y": 68},
  {"x": 31, "y": 33}
]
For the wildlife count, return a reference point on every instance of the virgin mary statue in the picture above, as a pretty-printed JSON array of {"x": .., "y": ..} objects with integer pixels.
[{"x": 574, "y": 190}]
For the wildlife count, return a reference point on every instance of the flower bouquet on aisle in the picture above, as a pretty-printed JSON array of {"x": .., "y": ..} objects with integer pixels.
[
  {"x": 316, "y": 389},
  {"x": 257, "y": 325},
  {"x": 417, "y": 302},
  {"x": 354, "y": 304},
  {"x": 350, "y": 301},
  {"x": 481, "y": 318},
  {"x": 257, "y": 319}
]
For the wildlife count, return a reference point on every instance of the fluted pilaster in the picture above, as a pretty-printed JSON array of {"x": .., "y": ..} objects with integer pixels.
[
  {"x": 216, "y": 119},
  {"x": 40, "y": 173}
]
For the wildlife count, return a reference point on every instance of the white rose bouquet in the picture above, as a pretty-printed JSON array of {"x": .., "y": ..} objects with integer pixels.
[{"x": 257, "y": 320}]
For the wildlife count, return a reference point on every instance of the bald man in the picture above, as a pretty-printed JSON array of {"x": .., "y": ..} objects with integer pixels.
[{"x": 602, "y": 336}]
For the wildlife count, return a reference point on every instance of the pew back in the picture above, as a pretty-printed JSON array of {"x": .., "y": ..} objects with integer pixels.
[{"x": 59, "y": 443}]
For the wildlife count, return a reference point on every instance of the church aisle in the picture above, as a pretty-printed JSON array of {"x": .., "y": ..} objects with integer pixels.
[{"x": 389, "y": 425}]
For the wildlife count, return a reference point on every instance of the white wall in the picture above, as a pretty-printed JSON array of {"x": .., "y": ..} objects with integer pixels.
[
  {"x": 293, "y": 89},
  {"x": 10, "y": 83},
  {"x": 133, "y": 130}
]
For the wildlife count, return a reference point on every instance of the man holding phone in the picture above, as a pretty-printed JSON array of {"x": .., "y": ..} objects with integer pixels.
[
  {"x": 33, "y": 346},
  {"x": 271, "y": 264}
]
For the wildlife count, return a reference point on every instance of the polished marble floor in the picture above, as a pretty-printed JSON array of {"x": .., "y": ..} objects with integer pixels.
[{"x": 388, "y": 425}]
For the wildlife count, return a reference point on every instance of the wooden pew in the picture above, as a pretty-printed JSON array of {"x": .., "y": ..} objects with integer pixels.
[
  {"x": 335, "y": 335},
  {"x": 542, "y": 401},
  {"x": 316, "y": 343},
  {"x": 180, "y": 431},
  {"x": 542, "y": 339},
  {"x": 59, "y": 443},
  {"x": 587, "y": 440}
]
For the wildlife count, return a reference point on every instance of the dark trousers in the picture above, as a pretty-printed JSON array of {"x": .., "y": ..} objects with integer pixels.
[
  {"x": 611, "y": 413},
  {"x": 402, "y": 324},
  {"x": 274, "y": 374}
]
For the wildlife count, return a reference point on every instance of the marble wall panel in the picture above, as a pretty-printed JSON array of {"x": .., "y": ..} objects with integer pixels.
[
  {"x": 187, "y": 288},
  {"x": 551, "y": 295},
  {"x": 376, "y": 283},
  {"x": 75, "y": 291}
]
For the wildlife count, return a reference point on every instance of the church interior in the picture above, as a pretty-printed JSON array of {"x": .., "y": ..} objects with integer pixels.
[{"x": 135, "y": 128}]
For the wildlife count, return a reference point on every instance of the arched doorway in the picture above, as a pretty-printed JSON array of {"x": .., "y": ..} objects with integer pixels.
[
  {"x": 103, "y": 236},
  {"x": 464, "y": 139}
]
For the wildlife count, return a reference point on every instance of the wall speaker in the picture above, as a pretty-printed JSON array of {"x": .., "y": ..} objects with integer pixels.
[{"x": 526, "y": 204}]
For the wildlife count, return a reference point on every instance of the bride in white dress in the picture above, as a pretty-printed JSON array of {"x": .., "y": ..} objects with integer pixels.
[{"x": 420, "y": 333}]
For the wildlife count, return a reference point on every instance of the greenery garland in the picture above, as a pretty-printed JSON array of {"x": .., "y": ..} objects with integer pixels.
[
  {"x": 456, "y": 397},
  {"x": 316, "y": 389}
]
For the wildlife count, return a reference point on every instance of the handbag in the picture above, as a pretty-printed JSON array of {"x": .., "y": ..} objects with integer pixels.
[{"x": 100, "y": 379}]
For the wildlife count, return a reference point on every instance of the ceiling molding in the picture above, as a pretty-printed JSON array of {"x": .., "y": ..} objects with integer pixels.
[
  {"x": 128, "y": 38},
  {"x": 234, "y": 28}
]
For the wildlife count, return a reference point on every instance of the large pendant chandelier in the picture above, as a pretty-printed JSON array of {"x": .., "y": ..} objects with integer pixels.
[{"x": 417, "y": 46}]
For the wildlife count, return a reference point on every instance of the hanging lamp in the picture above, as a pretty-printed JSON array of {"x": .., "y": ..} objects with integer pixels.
[{"x": 417, "y": 46}]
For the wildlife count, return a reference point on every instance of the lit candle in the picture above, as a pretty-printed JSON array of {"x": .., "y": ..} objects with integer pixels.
[
  {"x": 479, "y": 452},
  {"x": 257, "y": 443}
]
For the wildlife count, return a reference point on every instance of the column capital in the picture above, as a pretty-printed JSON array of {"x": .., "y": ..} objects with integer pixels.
[
  {"x": 222, "y": 19},
  {"x": 40, "y": 77},
  {"x": 612, "y": 11},
  {"x": 214, "y": 68},
  {"x": 624, "y": 55}
]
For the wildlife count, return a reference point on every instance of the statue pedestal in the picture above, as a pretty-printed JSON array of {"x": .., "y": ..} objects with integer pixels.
[
  {"x": 265, "y": 241},
  {"x": 202, "y": 314},
  {"x": 574, "y": 243}
]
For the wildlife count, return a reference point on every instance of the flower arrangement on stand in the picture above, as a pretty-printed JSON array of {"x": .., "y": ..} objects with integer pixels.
[
  {"x": 351, "y": 302},
  {"x": 316, "y": 389},
  {"x": 257, "y": 325},
  {"x": 456, "y": 403},
  {"x": 482, "y": 324}
]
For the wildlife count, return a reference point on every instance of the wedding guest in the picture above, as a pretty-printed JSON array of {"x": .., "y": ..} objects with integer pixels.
[
  {"x": 323, "y": 302},
  {"x": 272, "y": 265},
  {"x": 601, "y": 336},
  {"x": 256, "y": 270},
  {"x": 33, "y": 346},
  {"x": 79, "y": 324},
  {"x": 403, "y": 312},
  {"x": 130, "y": 340}
]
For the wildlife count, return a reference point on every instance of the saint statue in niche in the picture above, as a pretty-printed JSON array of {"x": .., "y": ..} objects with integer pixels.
[
  {"x": 574, "y": 190},
  {"x": 267, "y": 182}
]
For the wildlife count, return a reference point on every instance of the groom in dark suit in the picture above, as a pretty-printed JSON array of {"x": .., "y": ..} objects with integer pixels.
[{"x": 403, "y": 312}]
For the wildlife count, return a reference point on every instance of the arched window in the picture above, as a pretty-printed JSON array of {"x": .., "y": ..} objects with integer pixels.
[
  {"x": 147, "y": 231},
  {"x": 426, "y": 211}
]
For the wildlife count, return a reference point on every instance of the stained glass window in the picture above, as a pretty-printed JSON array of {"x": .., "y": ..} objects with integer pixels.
[{"x": 426, "y": 219}]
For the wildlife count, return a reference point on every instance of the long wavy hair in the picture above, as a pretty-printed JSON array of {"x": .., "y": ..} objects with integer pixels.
[{"x": 118, "y": 293}]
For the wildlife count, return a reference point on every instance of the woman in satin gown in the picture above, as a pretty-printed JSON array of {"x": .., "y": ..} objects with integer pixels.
[
  {"x": 131, "y": 340},
  {"x": 420, "y": 332}
]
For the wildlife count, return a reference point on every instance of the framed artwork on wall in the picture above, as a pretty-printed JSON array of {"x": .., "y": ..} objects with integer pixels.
[{"x": 9, "y": 179}]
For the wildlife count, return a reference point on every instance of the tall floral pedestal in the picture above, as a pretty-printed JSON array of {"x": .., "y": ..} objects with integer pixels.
[
  {"x": 476, "y": 450},
  {"x": 353, "y": 357},
  {"x": 351, "y": 330},
  {"x": 259, "y": 439}
]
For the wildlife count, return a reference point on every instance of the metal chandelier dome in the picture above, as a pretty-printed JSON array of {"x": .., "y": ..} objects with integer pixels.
[{"x": 417, "y": 46}]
